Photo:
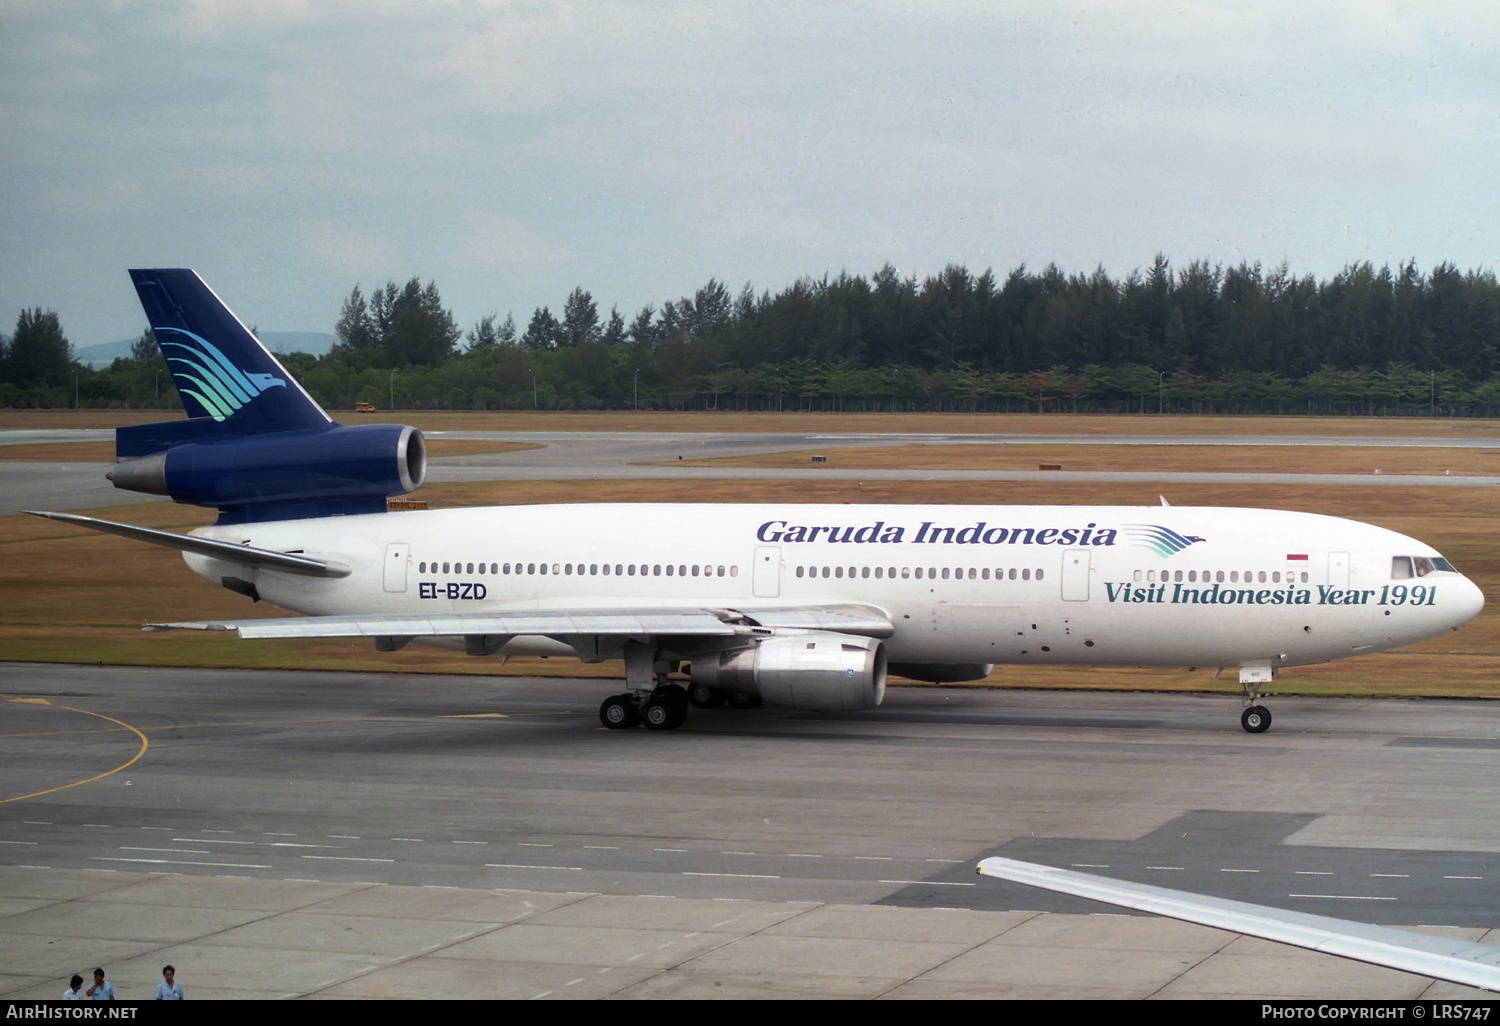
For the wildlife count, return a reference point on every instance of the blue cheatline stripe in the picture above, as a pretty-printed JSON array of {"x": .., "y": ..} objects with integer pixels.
[
  {"x": 235, "y": 374},
  {"x": 226, "y": 399}
]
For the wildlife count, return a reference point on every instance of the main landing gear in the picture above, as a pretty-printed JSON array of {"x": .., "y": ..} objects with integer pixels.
[
  {"x": 662, "y": 709},
  {"x": 666, "y": 707}
]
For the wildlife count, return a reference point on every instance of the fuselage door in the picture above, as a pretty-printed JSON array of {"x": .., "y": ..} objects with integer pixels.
[
  {"x": 397, "y": 555},
  {"x": 1338, "y": 569},
  {"x": 767, "y": 579},
  {"x": 1075, "y": 575}
]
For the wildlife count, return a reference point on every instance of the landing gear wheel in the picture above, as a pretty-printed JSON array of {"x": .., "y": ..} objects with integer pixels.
[
  {"x": 619, "y": 713},
  {"x": 665, "y": 710},
  {"x": 743, "y": 700},
  {"x": 702, "y": 696},
  {"x": 1256, "y": 719}
]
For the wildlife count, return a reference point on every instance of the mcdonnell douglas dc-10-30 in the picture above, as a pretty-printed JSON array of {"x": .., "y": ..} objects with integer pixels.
[{"x": 809, "y": 606}]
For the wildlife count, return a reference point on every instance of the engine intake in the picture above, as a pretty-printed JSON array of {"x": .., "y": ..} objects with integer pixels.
[{"x": 817, "y": 671}]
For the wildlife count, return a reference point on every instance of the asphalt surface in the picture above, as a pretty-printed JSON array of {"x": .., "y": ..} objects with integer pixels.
[{"x": 1375, "y": 811}]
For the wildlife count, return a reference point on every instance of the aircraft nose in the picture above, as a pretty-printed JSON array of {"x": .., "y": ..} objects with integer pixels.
[{"x": 1470, "y": 602}]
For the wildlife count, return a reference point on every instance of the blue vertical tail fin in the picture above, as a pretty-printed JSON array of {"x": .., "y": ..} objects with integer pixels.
[{"x": 222, "y": 371}]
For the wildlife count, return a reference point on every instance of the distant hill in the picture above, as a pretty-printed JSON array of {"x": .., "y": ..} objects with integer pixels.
[{"x": 314, "y": 342}]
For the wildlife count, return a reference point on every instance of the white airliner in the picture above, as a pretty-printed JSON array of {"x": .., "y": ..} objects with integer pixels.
[{"x": 802, "y": 605}]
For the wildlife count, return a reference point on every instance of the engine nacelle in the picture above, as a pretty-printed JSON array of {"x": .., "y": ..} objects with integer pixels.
[
  {"x": 284, "y": 474},
  {"x": 942, "y": 673},
  {"x": 817, "y": 670}
]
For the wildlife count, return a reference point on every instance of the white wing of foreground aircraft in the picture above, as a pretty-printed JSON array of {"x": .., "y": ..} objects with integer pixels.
[
  {"x": 1442, "y": 958},
  {"x": 803, "y": 605}
]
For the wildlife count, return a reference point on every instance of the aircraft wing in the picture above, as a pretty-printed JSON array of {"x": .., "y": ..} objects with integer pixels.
[
  {"x": 244, "y": 555},
  {"x": 1442, "y": 958},
  {"x": 560, "y": 623}
]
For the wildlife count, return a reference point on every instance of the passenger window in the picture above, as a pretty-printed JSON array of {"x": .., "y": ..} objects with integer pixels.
[
  {"x": 905, "y": 572},
  {"x": 1026, "y": 573},
  {"x": 945, "y": 573},
  {"x": 721, "y": 571},
  {"x": 1192, "y": 577},
  {"x": 932, "y": 573},
  {"x": 1136, "y": 576},
  {"x": 1261, "y": 577},
  {"x": 670, "y": 568},
  {"x": 799, "y": 571},
  {"x": 1013, "y": 574},
  {"x": 864, "y": 572},
  {"x": 1275, "y": 576},
  {"x": 1039, "y": 574},
  {"x": 1234, "y": 577},
  {"x": 1219, "y": 577},
  {"x": 838, "y": 571},
  {"x": 1304, "y": 577},
  {"x": 734, "y": 571},
  {"x": 918, "y": 573}
]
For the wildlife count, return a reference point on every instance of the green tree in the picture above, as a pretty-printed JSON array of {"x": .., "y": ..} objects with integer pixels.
[
  {"x": 39, "y": 352},
  {"x": 413, "y": 327},
  {"x": 356, "y": 328}
]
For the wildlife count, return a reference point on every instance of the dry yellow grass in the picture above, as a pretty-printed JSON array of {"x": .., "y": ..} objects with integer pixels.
[
  {"x": 1273, "y": 459},
  {"x": 838, "y": 423}
]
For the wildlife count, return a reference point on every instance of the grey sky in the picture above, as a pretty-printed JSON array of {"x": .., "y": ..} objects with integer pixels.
[{"x": 510, "y": 151}]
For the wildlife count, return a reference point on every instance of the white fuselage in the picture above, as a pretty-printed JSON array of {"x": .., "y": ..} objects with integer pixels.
[{"x": 1096, "y": 585}]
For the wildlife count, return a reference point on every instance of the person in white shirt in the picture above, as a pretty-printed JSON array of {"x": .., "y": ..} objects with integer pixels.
[
  {"x": 169, "y": 989},
  {"x": 75, "y": 989}
]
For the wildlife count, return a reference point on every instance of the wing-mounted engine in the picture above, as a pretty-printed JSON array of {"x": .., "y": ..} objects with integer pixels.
[{"x": 813, "y": 670}]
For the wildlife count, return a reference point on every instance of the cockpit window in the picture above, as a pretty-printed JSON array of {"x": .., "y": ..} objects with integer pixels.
[{"x": 1404, "y": 567}]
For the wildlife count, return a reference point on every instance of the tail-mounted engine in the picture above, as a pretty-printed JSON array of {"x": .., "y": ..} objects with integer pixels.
[
  {"x": 815, "y": 670},
  {"x": 284, "y": 474}
]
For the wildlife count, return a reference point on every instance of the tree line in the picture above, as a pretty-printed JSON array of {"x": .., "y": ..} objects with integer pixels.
[{"x": 1201, "y": 338}]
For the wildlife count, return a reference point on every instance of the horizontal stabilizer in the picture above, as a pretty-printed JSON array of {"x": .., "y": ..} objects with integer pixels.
[
  {"x": 229, "y": 552},
  {"x": 1442, "y": 958}
]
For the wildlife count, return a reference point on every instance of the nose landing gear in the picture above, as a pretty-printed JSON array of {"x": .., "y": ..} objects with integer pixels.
[{"x": 1256, "y": 719}]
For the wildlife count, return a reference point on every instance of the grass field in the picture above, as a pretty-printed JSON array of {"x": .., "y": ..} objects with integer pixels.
[
  {"x": 1277, "y": 459},
  {"x": 836, "y": 423}
]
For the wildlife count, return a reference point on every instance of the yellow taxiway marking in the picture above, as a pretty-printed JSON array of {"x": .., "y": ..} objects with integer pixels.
[
  {"x": 475, "y": 716},
  {"x": 30, "y": 701},
  {"x": 123, "y": 766}
]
